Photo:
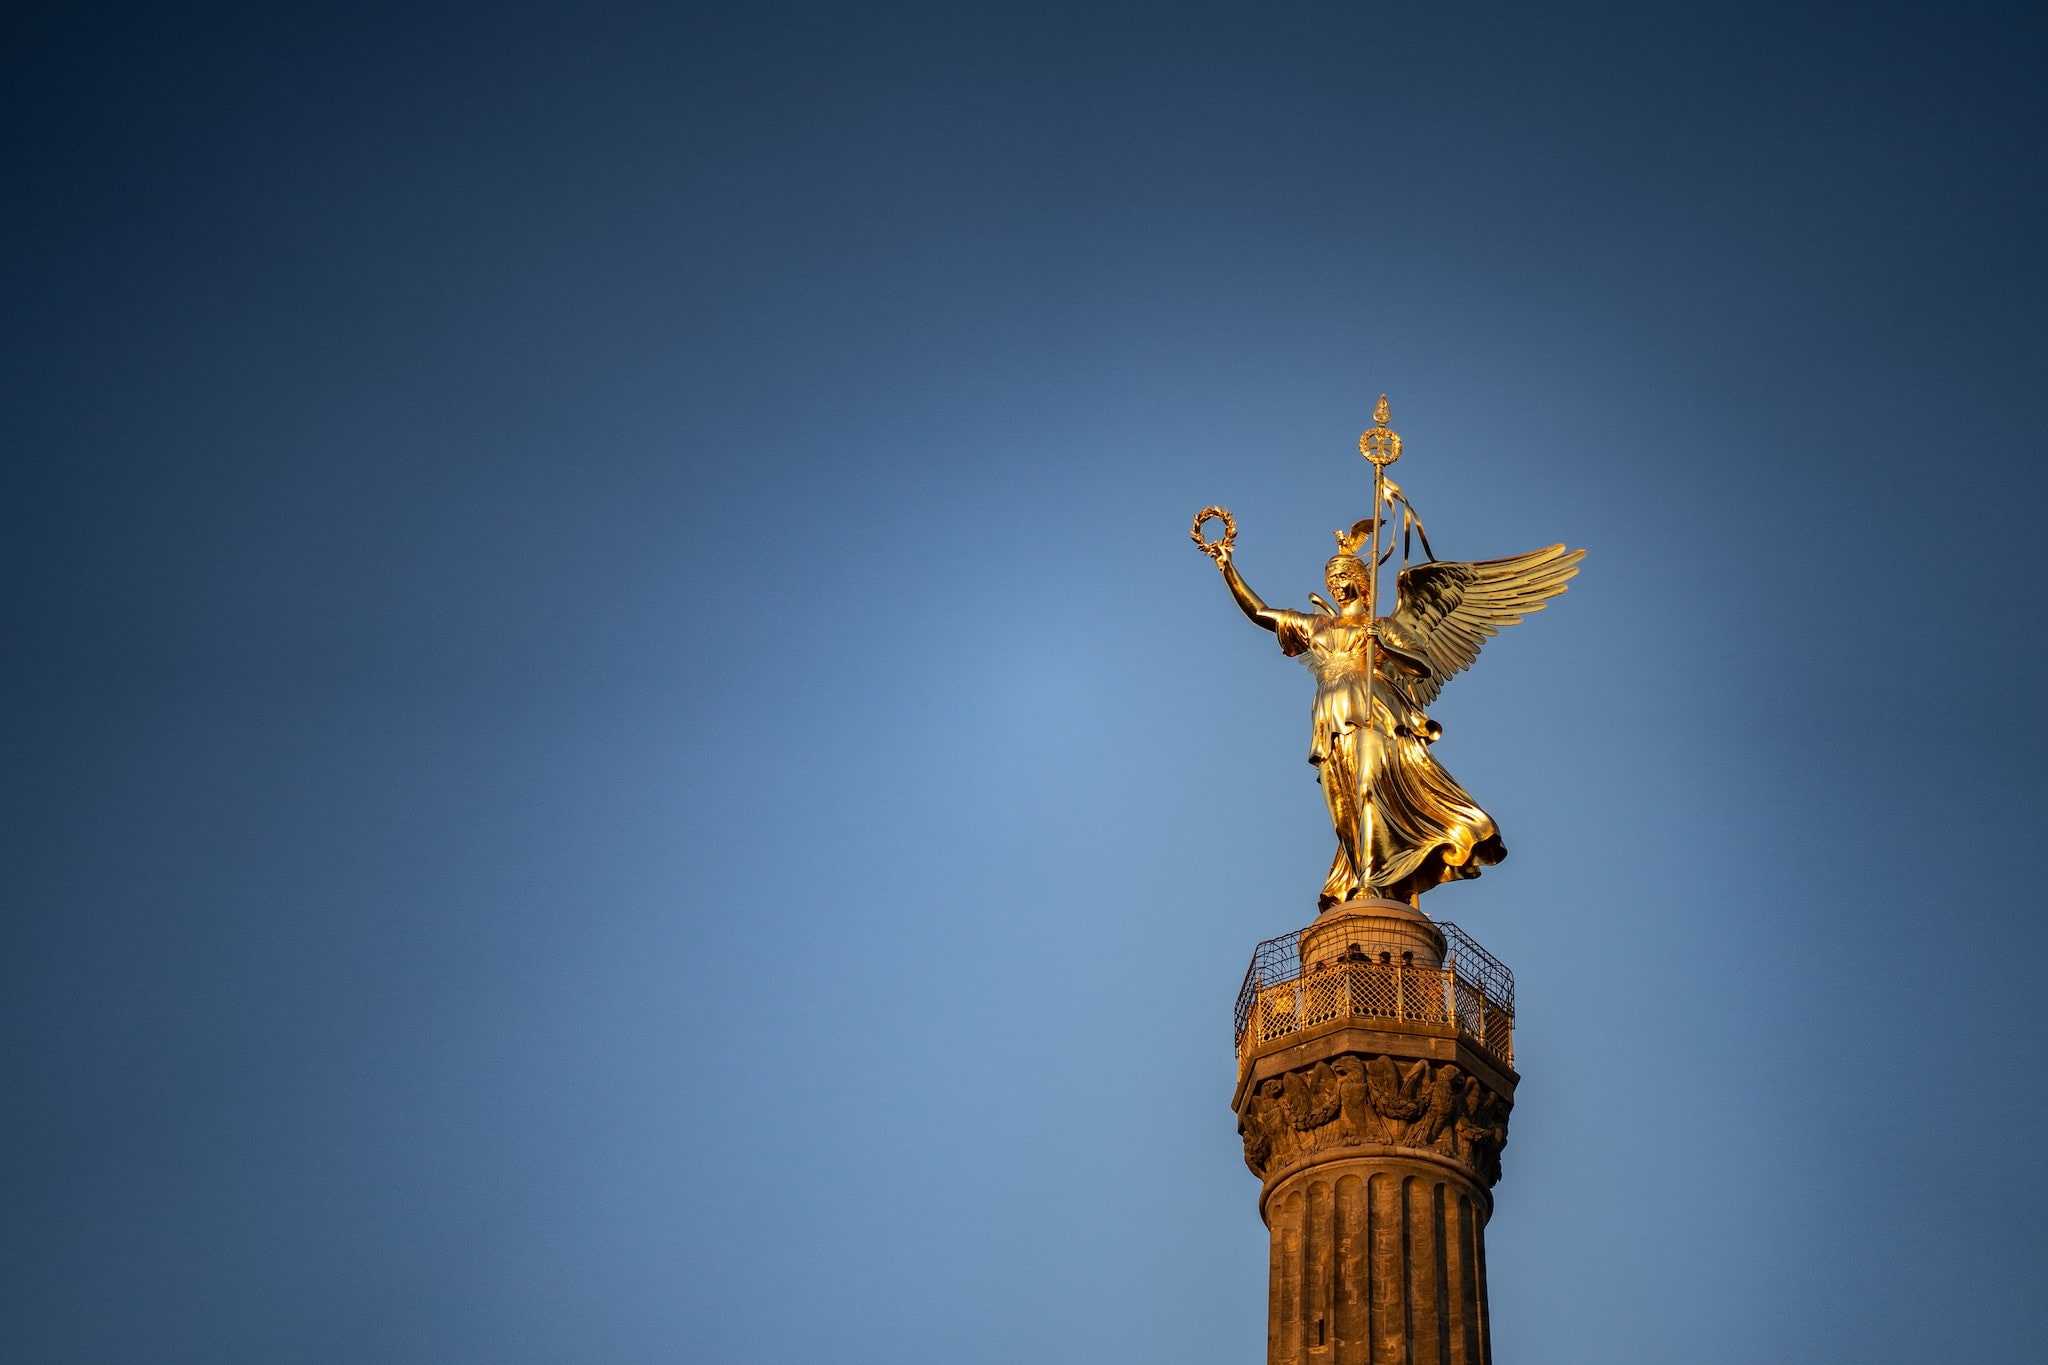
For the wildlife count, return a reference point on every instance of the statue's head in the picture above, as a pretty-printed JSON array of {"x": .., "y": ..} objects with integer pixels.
[
  {"x": 1346, "y": 577},
  {"x": 1346, "y": 574}
]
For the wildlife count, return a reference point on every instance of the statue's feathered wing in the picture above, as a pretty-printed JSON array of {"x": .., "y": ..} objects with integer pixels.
[{"x": 1446, "y": 611}]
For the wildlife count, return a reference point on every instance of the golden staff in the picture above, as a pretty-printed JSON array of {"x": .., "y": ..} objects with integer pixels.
[{"x": 1382, "y": 447}]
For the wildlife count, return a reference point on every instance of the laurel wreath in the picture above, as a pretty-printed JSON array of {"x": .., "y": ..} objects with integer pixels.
[{"x": 1214, "y": 548}]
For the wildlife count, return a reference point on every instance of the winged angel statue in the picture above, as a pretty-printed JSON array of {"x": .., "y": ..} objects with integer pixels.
[{"x": 1403, "y": 824}]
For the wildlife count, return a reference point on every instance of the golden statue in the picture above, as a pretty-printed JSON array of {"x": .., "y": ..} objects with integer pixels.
[{"x": 1403, "y": 824}]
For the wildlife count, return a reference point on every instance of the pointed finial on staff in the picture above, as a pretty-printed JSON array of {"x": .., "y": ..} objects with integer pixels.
[{"x": 1380, "y": 445}]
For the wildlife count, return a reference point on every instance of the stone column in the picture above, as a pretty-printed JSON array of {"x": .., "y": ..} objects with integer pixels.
[{"x": 1377, "y": 1136}]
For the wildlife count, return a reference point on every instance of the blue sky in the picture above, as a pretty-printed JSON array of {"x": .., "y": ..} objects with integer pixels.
[{"x": 616, "y": 751}]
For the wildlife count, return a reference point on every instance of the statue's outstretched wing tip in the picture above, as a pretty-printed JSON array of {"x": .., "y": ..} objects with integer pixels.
[
  {"x": 1557, "y": 554},
  {"x": 1450, "y": 609}
]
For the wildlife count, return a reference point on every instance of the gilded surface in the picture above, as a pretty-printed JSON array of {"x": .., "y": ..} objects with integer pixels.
[{"x": 1403, "y": 824}]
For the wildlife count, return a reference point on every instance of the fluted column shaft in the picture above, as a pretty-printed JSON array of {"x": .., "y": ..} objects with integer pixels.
[{"x": 1377, "y": 1261}]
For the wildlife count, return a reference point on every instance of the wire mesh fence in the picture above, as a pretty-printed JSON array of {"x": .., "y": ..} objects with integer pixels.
[{"x": 1472, "y": 991}]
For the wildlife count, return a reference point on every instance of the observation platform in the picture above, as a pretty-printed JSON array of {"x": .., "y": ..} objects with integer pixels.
[{"x": 1378, "y": 965}]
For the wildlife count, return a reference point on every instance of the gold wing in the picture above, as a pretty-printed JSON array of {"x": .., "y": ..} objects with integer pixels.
[{"x": 1446, "y": 611}]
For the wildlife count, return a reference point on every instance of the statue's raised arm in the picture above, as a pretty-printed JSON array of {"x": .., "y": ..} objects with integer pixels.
[{"x": 1290, "y": 626}]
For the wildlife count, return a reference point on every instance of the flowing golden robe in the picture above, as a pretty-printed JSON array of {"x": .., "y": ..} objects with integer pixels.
[{"x": 1370, "y": 746}]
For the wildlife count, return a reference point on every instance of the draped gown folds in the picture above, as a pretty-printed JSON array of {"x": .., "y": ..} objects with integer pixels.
[{"x": 1370, "y": 746}]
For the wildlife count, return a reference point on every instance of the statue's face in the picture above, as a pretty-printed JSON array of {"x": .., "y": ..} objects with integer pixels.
[{"x": 1345, "y": 589}]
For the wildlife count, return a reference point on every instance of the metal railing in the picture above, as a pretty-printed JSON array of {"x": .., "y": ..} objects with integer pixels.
[{"x": 1472, "y": 991}]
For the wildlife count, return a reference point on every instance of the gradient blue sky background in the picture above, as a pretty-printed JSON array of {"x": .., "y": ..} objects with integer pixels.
[{"x": 616, "y": 753}]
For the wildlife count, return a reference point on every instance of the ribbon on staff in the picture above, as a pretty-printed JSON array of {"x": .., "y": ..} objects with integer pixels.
[{"x": 1411, "y": 525}]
